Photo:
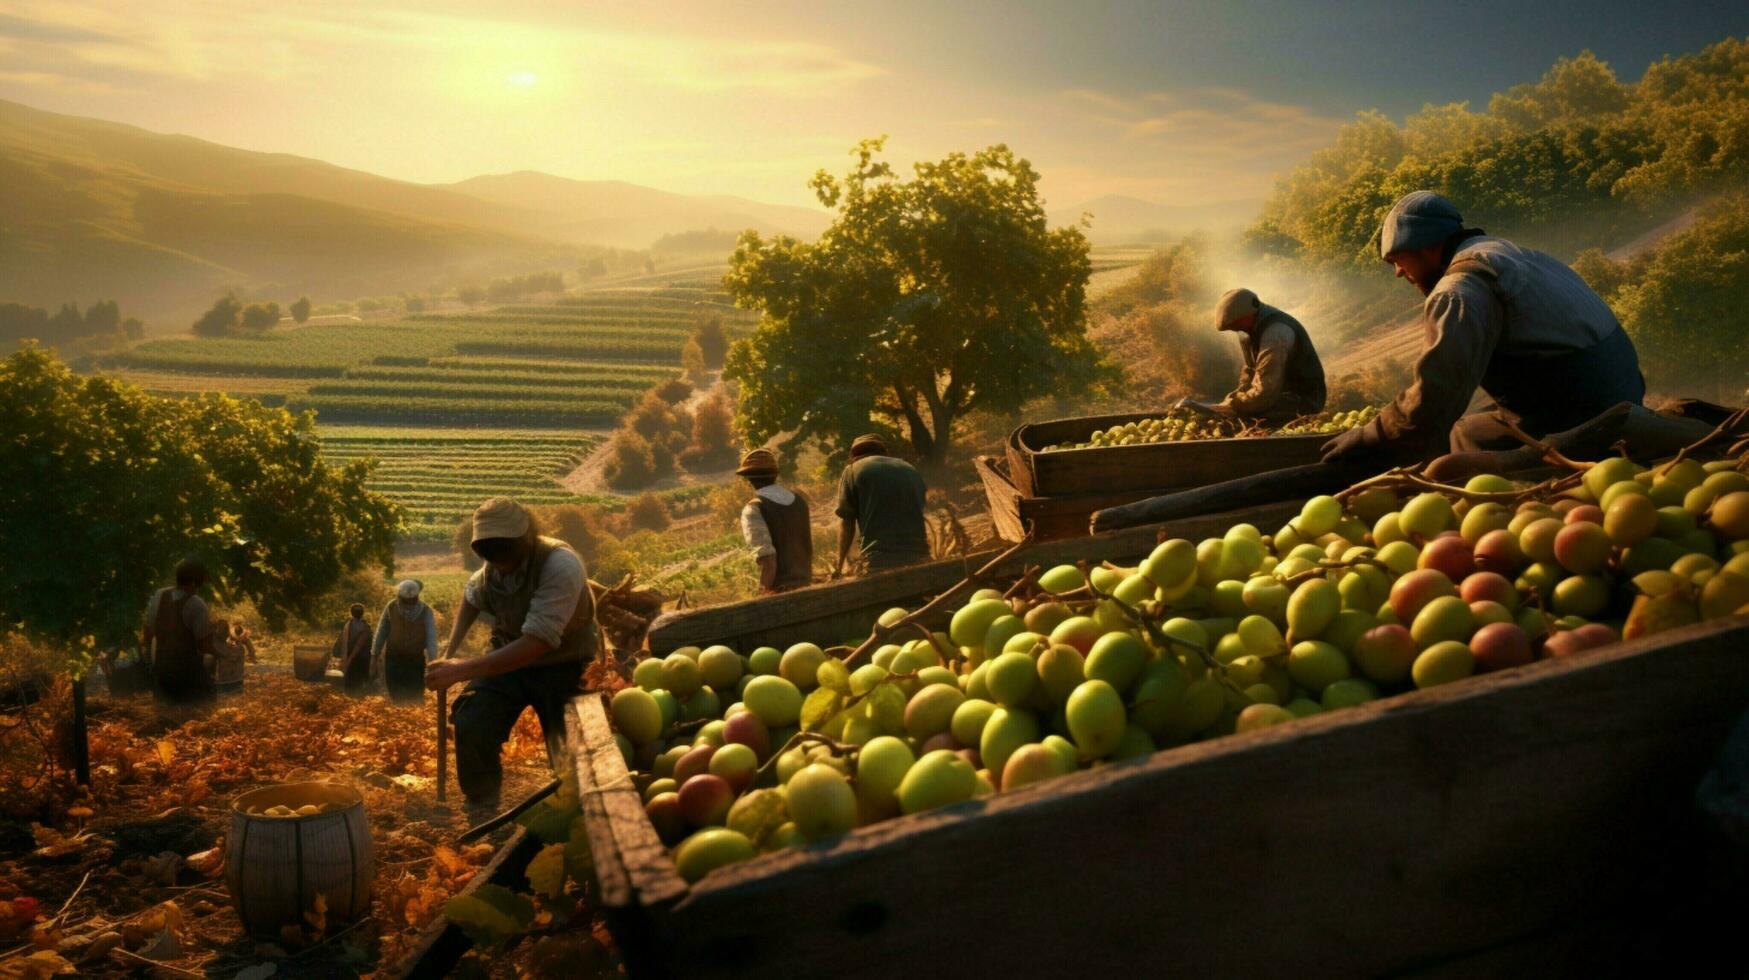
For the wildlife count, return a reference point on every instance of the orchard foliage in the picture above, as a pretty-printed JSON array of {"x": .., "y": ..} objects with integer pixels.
[
  {"x": 109, "y": 487},
  {"x": 926, "y": 299},
  {"x": 1566, "y": 161}
]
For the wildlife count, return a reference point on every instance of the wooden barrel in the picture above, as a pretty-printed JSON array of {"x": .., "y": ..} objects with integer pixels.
[
  {"x": 309, "y": 663},
  {"x": 276, "y": 866}
]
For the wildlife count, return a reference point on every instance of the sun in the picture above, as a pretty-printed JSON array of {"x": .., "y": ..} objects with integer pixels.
[{"x": 522, "y": 79}]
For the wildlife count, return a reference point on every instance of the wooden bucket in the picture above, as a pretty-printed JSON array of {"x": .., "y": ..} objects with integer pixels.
[
  {"x": 309, "y": 662},
  {"x": 276, "y": 866}
]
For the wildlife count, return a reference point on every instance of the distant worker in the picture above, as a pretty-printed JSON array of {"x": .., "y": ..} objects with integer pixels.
[
  {"x": 352, "y": 649},
  {"x": 536, "y": 591},
  {"x": 177, "y": 639},
  {"x": 880, "y": 497},
  {"x": 406, "y": 640},
  {"x": 775, "y": 525},
  {"x": 1514, "y": 322},
  {"x": 1283, "y": 378},
  {"x": 233, "y": 651}
]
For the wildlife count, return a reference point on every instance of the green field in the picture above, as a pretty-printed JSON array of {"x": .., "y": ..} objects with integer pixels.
[{"x": 576, "y": 363}]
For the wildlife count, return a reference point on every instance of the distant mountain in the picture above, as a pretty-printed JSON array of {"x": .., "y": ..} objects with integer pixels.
[
  {"x": 1117, "y": 218},
  {"x": 92, "y": 209},
  {"x": 616, "y": 213}
]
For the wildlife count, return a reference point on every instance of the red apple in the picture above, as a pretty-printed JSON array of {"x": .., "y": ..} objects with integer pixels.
[
  {"x": 692, "y": 763},
  {"x": 664, "y": 812},
  {"x": 1498, "y": 646},
  {"x": 705, "y": 800},
  {"x": 1489, "y": 587},
  {"x": 1590, "y": 513},
  {"x": 941, "y": 740},
  {"x": 1416, "y": 589},
  {"x": 1448, "y": 553},
  {"x": 1568, "y": 642},
  {"x": 746, "y": 729}
]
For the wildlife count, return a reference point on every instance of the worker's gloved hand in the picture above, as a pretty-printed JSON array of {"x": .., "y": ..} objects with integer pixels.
[{"x": 1348, "y": 445}]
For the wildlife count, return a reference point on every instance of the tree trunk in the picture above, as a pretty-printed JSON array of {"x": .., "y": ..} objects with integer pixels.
[
  {"x": 942, "y": 412},
  {"x": 921, "y": 439}
]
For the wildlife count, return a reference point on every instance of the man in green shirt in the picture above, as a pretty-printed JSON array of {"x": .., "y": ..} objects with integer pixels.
[{"x": 882, "y": 497}]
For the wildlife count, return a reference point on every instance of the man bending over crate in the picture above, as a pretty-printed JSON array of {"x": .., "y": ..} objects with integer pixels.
[
  {"x": 1283, "y": 378},
  {"x": 535, "y": 592}
]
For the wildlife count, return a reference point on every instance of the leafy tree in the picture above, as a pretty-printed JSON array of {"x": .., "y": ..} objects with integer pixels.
[
  {"x": 131, "y": 483},
  {"x": 630, "y": 463},
  {"x": 132, "y": 328},
  {"x": 67, "y": 324},
  {"x": 103, "y": 316},
  {"x": 300, "y": 310},
  {"x": 221, "y": 319},
  {"x": 260, "y": 316},
  {"x": 713, "y": 340},
  {"x": 926, "y": 299},
  {"x": 674, "y": 390},
  {"x": 1574, "y": 90},
  {"x": 713, "y": 436}
]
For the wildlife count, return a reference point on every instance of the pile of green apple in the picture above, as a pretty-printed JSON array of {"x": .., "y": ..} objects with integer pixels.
[
  {"x": 740, "y": 754},
  {"x": 1184, "y": 425}
]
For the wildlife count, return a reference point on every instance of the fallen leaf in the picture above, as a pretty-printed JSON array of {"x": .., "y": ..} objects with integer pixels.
[
  {"x": 208, "y": 863},
  {"x": 164, "y": 946},
  {"x": 37, "y": 966},
  {"x": 166, "y": 751}
]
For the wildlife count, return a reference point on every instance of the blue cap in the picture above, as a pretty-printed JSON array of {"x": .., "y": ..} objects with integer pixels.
[{"x": 1418, "y": 220}]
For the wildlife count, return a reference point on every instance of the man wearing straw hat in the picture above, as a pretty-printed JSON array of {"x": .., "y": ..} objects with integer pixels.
[
  {"x": 775, "y": 525},
  {"x": 406, "y": 640},
  {"x": 535, "y": 592},
  {"x": 881, "y": 498}
]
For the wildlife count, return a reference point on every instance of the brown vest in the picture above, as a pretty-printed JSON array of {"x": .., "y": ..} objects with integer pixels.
[
  {"x": 510, "y": 609},
  {"x": 406, "y": 636},
  {"x": 792, "y": 535},
  {"x": 175, "y": 648},
  {"x": 1302, "y": 383}
]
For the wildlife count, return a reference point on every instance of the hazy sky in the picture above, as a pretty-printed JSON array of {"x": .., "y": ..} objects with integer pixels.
[{"x": 1182, "y": 103}]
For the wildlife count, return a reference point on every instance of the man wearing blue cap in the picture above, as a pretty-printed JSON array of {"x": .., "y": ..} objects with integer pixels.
[{"x": 1512, "y": 321}]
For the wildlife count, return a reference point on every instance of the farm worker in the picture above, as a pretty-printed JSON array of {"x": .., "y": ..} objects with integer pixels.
[
  {"x": 1282, "y": 378},
  {"x": 775, "y": 525},
  {"x": 406, "y": 640},
  {"x": 232, "y": 649},
  {"x": 1514, "y": 322},
  {"x": 880, "y": 497},
  {"x": 352, "y": 648},
  {"x": 178, "y": 637},
  {"x": 536, "y": 591}
]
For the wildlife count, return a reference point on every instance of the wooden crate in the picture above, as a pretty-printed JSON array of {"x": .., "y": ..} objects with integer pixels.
[
  {"x": 1507, "y": 825},
  {"x": 1013, "y": 514},
  {"x": 833, "y": 611},
  {"x": 1155, "y": 466}
]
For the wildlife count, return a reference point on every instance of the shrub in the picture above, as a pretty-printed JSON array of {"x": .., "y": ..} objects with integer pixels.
[
  {"x": 713, "y": 444},
  {"x": 692, "y": 361},
  {"x": 712, "y": 340},
  {"x": 648, "y": 512},
  {"x": 674, "y": 391},
  {"x": 260, "y": 316},
  {"x": 631, "y": 464},
  {"x": 221, "y": 319}
]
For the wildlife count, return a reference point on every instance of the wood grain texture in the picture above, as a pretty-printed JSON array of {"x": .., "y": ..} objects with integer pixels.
[
  {"x": 833, "y": 611},
  {"x": 1152, "y": 466},
  {"x": 1416, "y": 833}
]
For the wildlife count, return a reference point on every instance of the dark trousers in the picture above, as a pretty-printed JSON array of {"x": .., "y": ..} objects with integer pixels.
[
  {"x": 358, "y": 674},
  {"x": 182, "y": 684},
  {"x": 404, "y": 676},
  {"x": 487, "y": 710}
]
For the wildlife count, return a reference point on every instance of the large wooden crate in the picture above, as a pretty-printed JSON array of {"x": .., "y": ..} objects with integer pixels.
[
  {"x": 1155, "y": 466},
  {"x": 1511, "y": 824},
  {"x": 1014, "y": 514},
  {"x": 834, "y": 611}
]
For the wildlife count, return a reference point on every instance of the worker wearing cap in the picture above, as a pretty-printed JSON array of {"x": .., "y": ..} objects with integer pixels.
[
  {"x": 1518, "y": 324},
  {"x": 535, "y": 591},
  {"x": 1282, "y": 378},
  {"x": 406, "y": 640},
  {"x": 775, "y": 525},
  {"x": 881, "y": 498}
]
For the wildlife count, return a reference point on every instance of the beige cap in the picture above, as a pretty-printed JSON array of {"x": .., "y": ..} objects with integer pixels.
[
  {"x": 1235, "y": 304},
  {"x": 868, "y": 445},
  {"x": 758, "y": 462},
  {"x": 500, "y": 517},
  {"x": 408, "y": 589}
]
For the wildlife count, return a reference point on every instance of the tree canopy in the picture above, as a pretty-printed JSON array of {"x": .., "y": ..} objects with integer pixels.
[
  {"x": 926, "y": 299},
  {"x": 108, "y": 487}
]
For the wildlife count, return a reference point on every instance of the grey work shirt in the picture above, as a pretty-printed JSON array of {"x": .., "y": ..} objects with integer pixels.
[
  {"x": 194, "y": 612},
  {"x": 1465, "y": 324},
  {"x": 562, "y": 582},
  {"x": 885, "y": 496}
]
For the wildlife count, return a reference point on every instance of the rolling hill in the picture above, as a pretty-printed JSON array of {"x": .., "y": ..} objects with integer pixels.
[
  {"x": 613, "y": 212},
  {"x": 1118, "y": 218},
  {"x": 90, "y": 209}
]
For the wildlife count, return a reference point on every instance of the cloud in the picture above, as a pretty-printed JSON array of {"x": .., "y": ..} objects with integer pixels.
[{"x": 1217, "y": 125}]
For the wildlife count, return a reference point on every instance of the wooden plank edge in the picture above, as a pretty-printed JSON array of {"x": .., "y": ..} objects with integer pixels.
[{"x": 639, "y": 870}]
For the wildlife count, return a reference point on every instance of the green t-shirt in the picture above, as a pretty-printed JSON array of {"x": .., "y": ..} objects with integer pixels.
[{"x": 885, "y": 497}]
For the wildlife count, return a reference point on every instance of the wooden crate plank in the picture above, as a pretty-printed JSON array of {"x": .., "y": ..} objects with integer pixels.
[
  {"x": 1158, "y": 466},
  {"x": 1383, "y": 838}
]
